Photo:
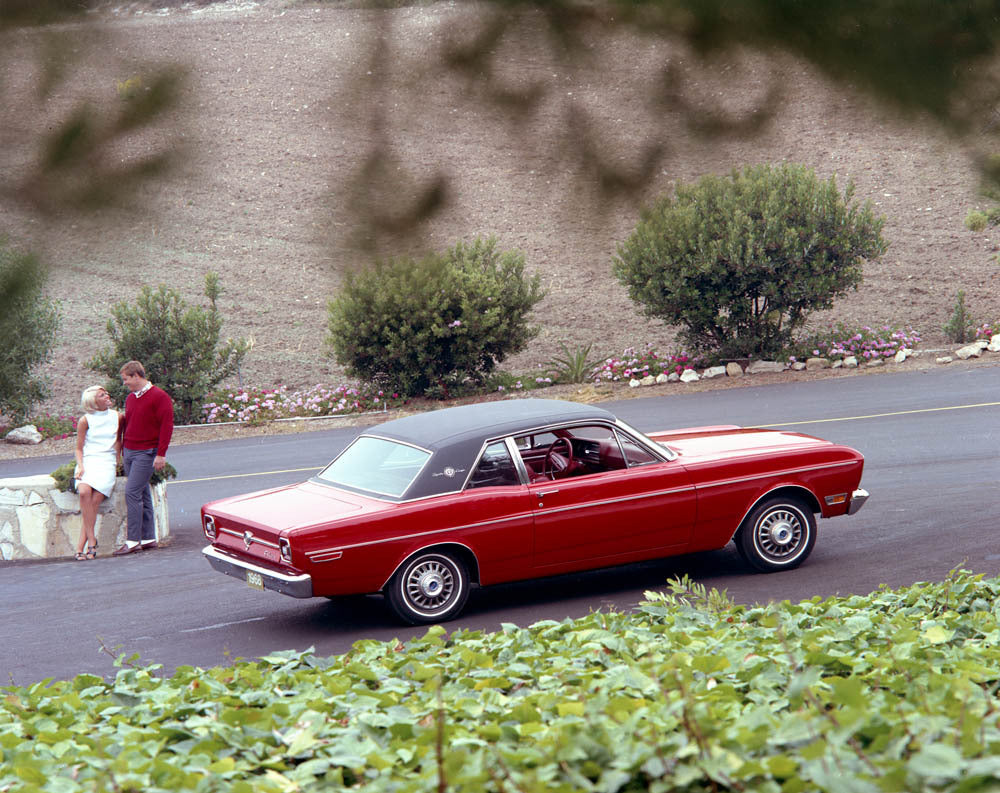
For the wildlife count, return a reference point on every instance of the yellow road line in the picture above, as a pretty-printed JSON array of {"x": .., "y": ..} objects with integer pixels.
[
  {"x": 240, "y": 476},
  {"x": 879, "y": 415}
]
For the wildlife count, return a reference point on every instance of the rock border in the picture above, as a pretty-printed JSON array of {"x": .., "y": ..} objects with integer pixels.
[{"x": 734, "y": 369}]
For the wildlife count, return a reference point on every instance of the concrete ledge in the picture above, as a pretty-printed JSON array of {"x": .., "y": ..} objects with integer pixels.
[{"x": 37, "y": 521}]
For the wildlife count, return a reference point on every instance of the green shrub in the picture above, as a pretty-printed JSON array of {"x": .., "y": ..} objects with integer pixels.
[
  {"x": 28, "y": 327},
  {"x": 179, "y": 346},
  {"x": 64, "y": 474},
  {"x": 423, "y": 327},
  {"x": 960, "y": 328},
  {"x": 500, "y": 380},
  {"x": 739, "y": 262},
  {"x": 976, "y": 220}
]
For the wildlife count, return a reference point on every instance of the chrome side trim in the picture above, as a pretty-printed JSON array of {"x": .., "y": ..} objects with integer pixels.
[
  {"x": 324, "y": 556},
  {"x": 610, "y": 501},
  {"x": 296, "y": 586},
  {"x": 432, "y": 532},
  {"x": 858, "y": 499},
  {"x": 482, "y": 524}
]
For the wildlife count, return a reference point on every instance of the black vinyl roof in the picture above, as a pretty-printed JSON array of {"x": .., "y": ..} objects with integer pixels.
[
  {"x": 438, "y": 429},
  {"x": 456, "y": 435}
]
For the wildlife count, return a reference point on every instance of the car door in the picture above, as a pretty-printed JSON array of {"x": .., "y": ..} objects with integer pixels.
[
  {"x": 495, "y": 516},
  {"x": 608, "y": 514}
]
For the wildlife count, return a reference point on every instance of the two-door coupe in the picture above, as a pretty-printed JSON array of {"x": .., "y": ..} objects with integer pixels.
[{"x": 424, "y": 507}]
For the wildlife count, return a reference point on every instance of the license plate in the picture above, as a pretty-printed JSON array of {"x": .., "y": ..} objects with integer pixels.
[{"x": 255, "y": 580}]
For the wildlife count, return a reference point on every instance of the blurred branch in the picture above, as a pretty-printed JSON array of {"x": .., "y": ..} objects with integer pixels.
[
  {"x": 505, "y": 60},
  {"x": 66, "y": 147}
]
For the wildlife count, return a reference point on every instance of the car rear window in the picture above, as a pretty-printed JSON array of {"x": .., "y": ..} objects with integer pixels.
[{"x": 376, "y": 465}]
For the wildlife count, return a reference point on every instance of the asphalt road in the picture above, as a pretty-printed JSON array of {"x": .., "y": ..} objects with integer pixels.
[{"x": 931, "y": 441}]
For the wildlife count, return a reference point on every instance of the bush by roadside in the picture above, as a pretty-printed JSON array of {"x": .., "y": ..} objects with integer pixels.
[{"x": 896, "y": 690}]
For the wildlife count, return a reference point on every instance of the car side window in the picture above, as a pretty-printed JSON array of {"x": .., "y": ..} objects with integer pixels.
[
  {"x": 495, "y": 468},
  {"x": 634, "y": 453}
]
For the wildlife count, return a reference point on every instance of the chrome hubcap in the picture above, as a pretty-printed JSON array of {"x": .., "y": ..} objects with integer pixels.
[
  {"x": 430, "y": 585},
  {"x": 780, "y": 533}
]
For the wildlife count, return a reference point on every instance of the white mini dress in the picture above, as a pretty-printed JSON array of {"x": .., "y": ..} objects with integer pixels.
[{"x": 99, "y": 458}]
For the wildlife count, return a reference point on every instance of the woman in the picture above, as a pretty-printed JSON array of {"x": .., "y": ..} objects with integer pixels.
[{"x": 97, "y": 450}]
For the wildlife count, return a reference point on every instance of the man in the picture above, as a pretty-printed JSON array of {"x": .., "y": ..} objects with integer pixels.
[{"x": 145, "y": 434}]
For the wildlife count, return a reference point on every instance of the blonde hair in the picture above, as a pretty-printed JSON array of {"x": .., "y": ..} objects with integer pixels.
[{"x": 88, "y": 399}]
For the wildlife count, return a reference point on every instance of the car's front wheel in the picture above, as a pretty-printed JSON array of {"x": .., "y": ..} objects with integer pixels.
[
  {"x": 778, "y": 534},
  {"x": 429, "y": 587}
]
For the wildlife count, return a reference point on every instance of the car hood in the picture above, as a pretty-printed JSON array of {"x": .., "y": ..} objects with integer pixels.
[
  {"x": 731, "y": 441},
  {"x": 292, "y": 507}
]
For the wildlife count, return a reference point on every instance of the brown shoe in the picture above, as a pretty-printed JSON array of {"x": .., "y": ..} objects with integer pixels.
[
  {"x": 125, "y": 549},
  {"x": 148, "y": 545}
]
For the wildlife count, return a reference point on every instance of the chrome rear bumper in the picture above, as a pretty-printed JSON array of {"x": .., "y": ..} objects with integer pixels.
[
  {"x": 298, "y": 586},
  {"x": 858, "y": 499}
]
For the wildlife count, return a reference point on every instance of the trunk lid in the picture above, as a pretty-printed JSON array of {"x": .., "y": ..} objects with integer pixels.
[{"x": 292, "y": 507}]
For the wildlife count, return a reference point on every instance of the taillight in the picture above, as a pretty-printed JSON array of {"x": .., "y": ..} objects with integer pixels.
[
  {"x": 209, "y": 527},
  {"x": 286, "y": 549}
]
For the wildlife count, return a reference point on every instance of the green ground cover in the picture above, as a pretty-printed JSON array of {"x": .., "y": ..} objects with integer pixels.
[{"x": 892, "y": 691}]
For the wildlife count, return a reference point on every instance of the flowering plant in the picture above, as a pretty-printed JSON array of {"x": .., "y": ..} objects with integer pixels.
[
  {"x": 638, "y": 363},
  {"x": 260, "y": 405},
  {"x": 987, "y": 330},
  {"x": 54, "y": 427},
  {"x": 864, "y": 343}
]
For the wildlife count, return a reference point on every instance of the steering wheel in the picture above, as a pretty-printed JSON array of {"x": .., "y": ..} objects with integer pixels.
[{"x": 556, "y": 463}]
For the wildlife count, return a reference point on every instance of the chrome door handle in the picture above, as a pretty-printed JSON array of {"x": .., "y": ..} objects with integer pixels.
[{"x": 544, "y": 493}]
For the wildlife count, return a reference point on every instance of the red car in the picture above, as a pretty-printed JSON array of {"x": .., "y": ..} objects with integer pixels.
[{"x": 424, "y": 507}]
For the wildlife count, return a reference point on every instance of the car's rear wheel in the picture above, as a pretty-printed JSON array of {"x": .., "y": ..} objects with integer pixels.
[
  {"x": 778, "y": 534},
  {"x": 429, "y": 587}
]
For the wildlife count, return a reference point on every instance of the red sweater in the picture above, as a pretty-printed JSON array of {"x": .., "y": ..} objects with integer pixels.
[{"x": 149, "y": 421}]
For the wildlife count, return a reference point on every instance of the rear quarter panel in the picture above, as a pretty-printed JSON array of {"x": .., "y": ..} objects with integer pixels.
[{"x": 360, "y": 555}]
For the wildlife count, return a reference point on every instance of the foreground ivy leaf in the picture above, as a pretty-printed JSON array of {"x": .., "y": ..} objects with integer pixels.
[
  {"x": 936, "y": 761},
  {"x": 937, "y": 634}
]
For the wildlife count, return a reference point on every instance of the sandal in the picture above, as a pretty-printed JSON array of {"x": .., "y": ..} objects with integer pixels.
[
  {"x": 80, "y": 557},
  {"x": 91, "y": 551}
]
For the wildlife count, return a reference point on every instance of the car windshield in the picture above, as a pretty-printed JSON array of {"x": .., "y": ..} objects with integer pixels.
[{"x": 377, "y": 465}]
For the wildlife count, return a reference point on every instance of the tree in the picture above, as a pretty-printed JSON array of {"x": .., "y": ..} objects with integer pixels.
[
  {"x": 28, "y": 327},
  {"x": 739, "y": 262},
  {"x": 177, "y": 344},
  {"x": 425, "y": 325}
]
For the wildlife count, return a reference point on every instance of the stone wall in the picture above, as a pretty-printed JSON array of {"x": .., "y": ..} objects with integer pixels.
[{"x": 37, "y": 521}]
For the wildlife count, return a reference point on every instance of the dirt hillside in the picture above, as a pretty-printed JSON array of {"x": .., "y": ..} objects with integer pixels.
[{"x": 274, "y": 128}]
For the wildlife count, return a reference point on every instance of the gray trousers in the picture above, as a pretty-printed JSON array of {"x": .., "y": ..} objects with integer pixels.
[{"x": 138, "y": 499}]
